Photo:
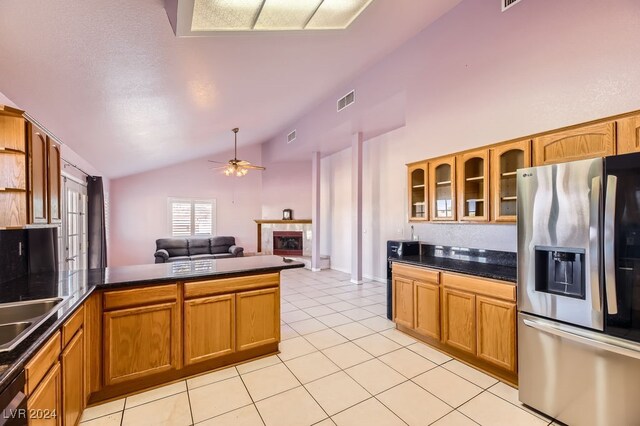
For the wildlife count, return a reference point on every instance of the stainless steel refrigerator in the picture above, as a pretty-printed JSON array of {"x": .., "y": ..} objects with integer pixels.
[{"x": 579, "y": 290}]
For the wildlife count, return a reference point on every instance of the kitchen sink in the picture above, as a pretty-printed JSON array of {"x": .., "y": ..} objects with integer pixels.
[
  {"x": 8, "y": 332},
  {"x": 19, "y": 319},
  {"x": 23, "y": 311}
]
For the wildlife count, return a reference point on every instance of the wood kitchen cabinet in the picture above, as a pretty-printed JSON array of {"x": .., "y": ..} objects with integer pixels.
[
  {"x": 140, "y": 342},
  {"x": 471, "y": 318},
  {"x": 628, "y": 132},
  {"x": 73, "y": 394},
  {"x": 442, "y": 188},
  {"x": 427, "y": 309},
  {"x": 505, "y": 160},
  {"x": 13, "y": 180},
  {"x": 402, "y": 300},
  {"x": 43, "y": 384},
  {"x": 473, "y": 186},
  {"x": 141, "y": 333},
  {"x": 258, "y": 318},
  {"x": 38, "y": 175},
  {"x": 45, "y": 404},
  {"x": 417, "y": 184},
  {"x": 416, "y": 299},
  {"x": 54, "y": 181},
  {"x": 459, "y": 319},
  {"x": 209, "y": 328},
  {"x": 590, "y": 141},
  {"x": 72, "y": 362},
  {"x": 496, "y": 333}
]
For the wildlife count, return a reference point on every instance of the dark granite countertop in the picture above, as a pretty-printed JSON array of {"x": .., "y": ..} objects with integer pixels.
[
  {"x": 479, "y": 269},
  {"x": 76, "y": 286}
]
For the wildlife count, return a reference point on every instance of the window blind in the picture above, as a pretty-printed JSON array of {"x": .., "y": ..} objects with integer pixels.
[{"x": 189, "y": 217}]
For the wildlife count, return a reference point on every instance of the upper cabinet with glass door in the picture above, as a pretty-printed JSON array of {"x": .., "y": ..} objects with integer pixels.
[
  {"x": 417, "y": 173},
  {"x": 473, "y": 188},
  {"x": 505, "y": 160},
  {"x": 442, "y": 188}
]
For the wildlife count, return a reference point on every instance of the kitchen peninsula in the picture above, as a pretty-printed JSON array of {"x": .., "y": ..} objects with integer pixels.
[{"x": 120, "y": 330}]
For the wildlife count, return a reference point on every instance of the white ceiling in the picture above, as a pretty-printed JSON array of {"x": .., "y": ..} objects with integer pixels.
[{"x": 110, "y": 79}]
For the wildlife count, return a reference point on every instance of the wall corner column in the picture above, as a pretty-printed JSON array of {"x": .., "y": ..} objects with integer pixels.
[
  {"x": 356, "y": 208},
  {"x": 315, "y": 211}
]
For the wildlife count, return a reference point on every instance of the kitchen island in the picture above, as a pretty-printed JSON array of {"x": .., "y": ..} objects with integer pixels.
[{"x": 121, "y": 330}]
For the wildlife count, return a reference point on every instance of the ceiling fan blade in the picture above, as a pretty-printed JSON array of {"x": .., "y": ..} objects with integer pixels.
[
  {"x": 251, "y": 166},
  {"x": 218, "y": 168},
  {"x": 217, "y": 162}
]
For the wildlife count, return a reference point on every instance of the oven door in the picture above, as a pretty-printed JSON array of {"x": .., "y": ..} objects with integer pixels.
[{"x": 559, "y": 240}]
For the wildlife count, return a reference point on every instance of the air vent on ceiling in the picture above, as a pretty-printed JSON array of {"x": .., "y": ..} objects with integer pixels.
[
  {"x": 346, "y": 100},
  {"x": 506, "y": 4},
  {"x": 291, "y": 137}
]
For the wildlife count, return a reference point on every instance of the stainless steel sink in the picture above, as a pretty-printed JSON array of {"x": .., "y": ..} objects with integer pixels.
[
  {"x": 23, "y": 311},
  {"x": 8, "y": 332},
  {"x": 19, "y": 319}
]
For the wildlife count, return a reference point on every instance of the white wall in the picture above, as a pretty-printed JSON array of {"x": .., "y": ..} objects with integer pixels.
[
  {"x": 139, "y": 205},
  {"x": 385, "y": 208},
  {"x": 336, "y": 209}
]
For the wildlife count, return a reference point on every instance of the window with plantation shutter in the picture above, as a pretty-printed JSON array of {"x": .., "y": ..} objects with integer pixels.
[{"x": 189, "y": 217}]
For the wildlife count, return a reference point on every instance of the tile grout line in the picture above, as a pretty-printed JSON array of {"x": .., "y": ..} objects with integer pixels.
[{"x": 251, "y": 398}]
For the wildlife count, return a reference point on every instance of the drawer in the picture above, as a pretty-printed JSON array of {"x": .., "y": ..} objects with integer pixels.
[
  {"x": 72, "y": 325},
  {"x": 483, "y": 286},
  {"x": 40, "y": 364},
  {"x": 417, "y": 273},
  {"x": 229, "y": 285},
  {"x": 140, "y": 296}
]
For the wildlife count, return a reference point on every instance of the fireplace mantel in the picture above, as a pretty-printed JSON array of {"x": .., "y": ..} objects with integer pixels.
[{"x": 260, "y": 222}]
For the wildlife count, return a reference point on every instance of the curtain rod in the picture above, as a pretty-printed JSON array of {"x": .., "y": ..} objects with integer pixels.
[
  {"x": 55, "y": 138},
  {"x": 75, "y": 167}
]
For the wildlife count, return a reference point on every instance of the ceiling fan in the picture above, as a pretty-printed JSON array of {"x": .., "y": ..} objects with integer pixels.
[{"x": 235, "y": 167}]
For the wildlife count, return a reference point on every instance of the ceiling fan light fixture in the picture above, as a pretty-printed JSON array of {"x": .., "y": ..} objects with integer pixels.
[{"x": 236, "y": 167}]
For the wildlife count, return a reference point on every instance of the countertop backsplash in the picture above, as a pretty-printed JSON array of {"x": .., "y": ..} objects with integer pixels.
[{"x": 13, "y": 254}]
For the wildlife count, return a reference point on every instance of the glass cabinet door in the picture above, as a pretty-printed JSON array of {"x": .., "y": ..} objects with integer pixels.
[
  {"x": 505, "y": 161},
  {"x": 473, "y": 189},
  {"x": 417, "y": 191},
  {"x": 442, "y": 189}
]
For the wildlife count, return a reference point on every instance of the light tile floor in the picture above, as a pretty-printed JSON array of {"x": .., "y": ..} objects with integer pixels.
[{"x": 341, "y": 363}]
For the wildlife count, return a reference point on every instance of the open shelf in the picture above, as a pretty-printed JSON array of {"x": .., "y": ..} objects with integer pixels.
[
  {"x": 6, "y": 150},
  {"x": 475, "y": 178},
  {"x": 475, "y": 200},
  {"x": 444, "y": 182},
  {"x": 510, "y": 198},
  {"x": 508, "y": 174},
  {"x": 418, "y": 186}
]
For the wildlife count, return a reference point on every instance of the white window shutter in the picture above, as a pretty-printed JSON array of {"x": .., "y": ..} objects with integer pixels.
[{"x": 189, "y": 217}]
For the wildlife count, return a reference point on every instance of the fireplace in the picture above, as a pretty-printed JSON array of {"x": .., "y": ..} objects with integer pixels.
[{"x": 287, "y": 243}]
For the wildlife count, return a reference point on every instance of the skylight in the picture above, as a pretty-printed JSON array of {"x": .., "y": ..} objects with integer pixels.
[{"x": 273, "y": 15}]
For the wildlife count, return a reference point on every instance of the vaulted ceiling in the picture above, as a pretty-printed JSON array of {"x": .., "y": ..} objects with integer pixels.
[{"x": 110, "y": 79}]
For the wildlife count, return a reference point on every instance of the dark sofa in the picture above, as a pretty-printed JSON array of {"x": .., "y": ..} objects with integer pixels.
[{"x": 196, "y": 248}]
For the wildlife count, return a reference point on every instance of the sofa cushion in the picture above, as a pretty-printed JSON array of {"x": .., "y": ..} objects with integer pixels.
[
  {"x": 221, "y": 244},
  {"x": 173, "y": 246},
  {"x": 178, "y": 259},
  {"x": 202, "y": 256},
  {"x": 222, "y": 255},
  {"x": 199, "y": 246}
]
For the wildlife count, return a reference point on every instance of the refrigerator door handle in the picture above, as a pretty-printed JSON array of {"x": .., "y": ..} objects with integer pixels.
[
  {"x": 594, "y": 242},
  {"x": 610, "y": 245},
  {"x": 589, "y": 338}
]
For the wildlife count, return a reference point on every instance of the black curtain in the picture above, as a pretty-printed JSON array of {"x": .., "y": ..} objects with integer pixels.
[{"x": 97, "y": 233}]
